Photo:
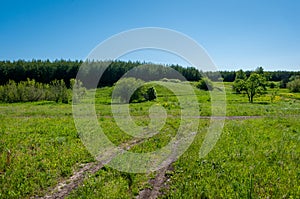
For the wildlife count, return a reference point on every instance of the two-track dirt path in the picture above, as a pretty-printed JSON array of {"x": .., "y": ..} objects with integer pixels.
[{"x": 64, "y": 188}]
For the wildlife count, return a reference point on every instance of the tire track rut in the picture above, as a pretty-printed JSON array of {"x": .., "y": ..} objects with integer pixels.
[{"x": 64, "y": 188}]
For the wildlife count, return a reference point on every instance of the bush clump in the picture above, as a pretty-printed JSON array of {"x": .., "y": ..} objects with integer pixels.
[
  {"x": 78, "y": 90},
  {"x": 294, "y": 84},
  {"x": 30, "y": 91},
  {"x": 130, "y": 89},
  {"x": 150, "y": 94},
  {"x": 205, "y": 84},
  {"x": 272, "y": 85}
]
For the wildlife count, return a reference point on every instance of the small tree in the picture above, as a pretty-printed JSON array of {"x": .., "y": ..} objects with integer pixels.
[
  {"x": 255, "y": 84},
  {"x": 238, "y": 86}
]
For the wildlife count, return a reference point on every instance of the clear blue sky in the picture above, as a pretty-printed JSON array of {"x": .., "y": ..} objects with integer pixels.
[{"x": 236, "y": 33}]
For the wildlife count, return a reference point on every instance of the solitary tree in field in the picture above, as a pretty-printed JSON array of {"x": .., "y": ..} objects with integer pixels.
[{"x": 253, "y": 85}]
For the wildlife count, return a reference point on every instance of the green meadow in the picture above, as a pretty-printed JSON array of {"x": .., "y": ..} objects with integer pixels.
[{"x": 255, "y": 157}]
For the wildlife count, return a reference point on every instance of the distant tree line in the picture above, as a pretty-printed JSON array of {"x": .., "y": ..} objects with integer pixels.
[
  {"x": 47, "y": 71},
  {"x": 230, "y": 76},
  {"x": 40, "y": 71}
]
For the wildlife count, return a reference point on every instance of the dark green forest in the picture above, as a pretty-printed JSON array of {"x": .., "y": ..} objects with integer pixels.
[{"x": 47, "y": 71}]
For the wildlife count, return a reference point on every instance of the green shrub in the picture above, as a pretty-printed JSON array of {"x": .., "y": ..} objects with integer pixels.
[
  {"x": 24, "y": 91},
  {"x": 294, "y": 85},
  {"x": 78, "y": 90},
  {"x": 30, "y": 90},
  {"x": 238, "y": 86},
  {"x": 272, "y": 84},
  {"x": 9, "y": 92},
  {"x": 205, "y": 84},
  {"x": 283, "y": 83},
  {"x": 128, "y": 90},
  {"x": 150, "y": 94},
  {"x": 59, "y": 91}
]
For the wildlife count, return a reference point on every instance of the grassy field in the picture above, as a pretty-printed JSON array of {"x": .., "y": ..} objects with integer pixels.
[{"x": 255, "y": 157}]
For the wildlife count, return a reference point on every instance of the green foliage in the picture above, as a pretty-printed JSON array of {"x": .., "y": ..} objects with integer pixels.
[
  {"x": 59, "y": 91},
  {"x": 239, "y": 83},
  {"x": 230, "y": 76},
  {"x": 47, "y": 71},
  {"x": 259, "y": 70},
  {"x": 190, "y": 73},
  {"x": 24, "y": 91},
  {"x": 238, "y": 86},
  {"x": 30, "y": 91},
  {"x": 253, "y": 85},
  {"x": 274, "y": 93},
  {"x": 226, "y": 76},
  {"x": 78, "y": 90},
  {"x": 272, "y": 84},
  {"x": 40, "y": 146},
  {"x": 240, "y": 74},
  {"x": 205, "y": 84},
  {"x": 283, "y": 83},
  {"x": 294, "y": 84},
  {"x": 128, "y": 90},
  {"x": 251, "y": 160},
  {"x": 9, "y": 92},
  {"x": 40, "y": 71},
  {"x": 150, "y": 94}
]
